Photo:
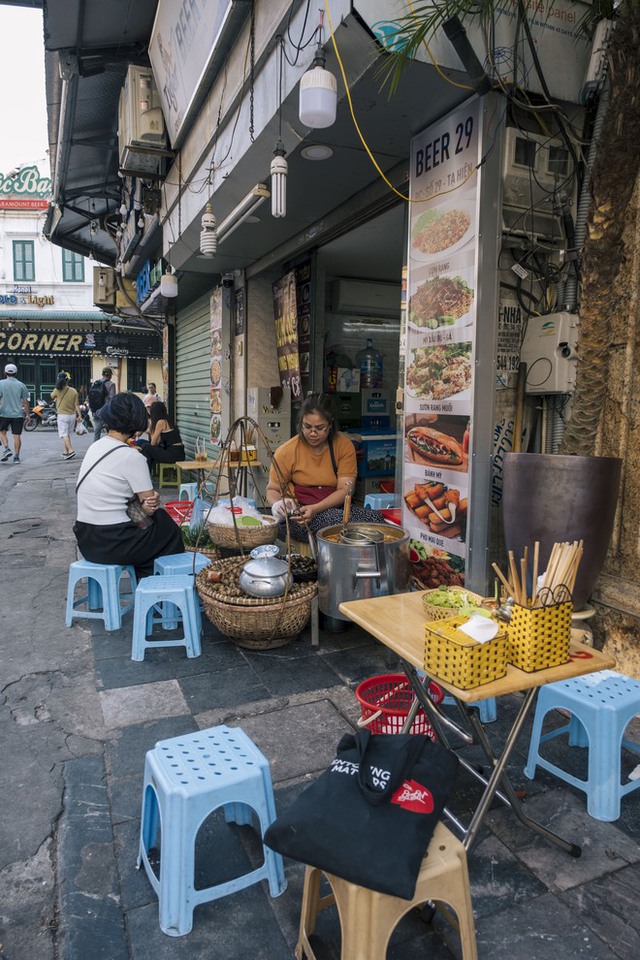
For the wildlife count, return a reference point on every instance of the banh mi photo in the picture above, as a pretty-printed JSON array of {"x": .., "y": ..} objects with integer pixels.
[{"x": 435, "y": 446}]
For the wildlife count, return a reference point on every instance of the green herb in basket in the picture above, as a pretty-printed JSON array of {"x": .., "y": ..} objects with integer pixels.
[
  {"x": 456, "y": 600},
  {"x": 198, "y": 536}
]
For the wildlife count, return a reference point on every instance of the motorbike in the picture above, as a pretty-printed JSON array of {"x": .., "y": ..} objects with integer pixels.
[{"x": 42, "y": 413}]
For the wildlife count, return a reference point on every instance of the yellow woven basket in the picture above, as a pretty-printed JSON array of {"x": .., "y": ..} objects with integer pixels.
[
  {"x": 539, "y": 637},
  {"x": 433, "y": 612},
  {"x": 451, "y": 655}
]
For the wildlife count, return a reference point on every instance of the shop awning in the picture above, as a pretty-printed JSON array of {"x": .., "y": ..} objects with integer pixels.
[{"x": 96, "y": 316}]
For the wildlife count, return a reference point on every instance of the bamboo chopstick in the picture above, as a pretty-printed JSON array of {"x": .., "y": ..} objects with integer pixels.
[{"x": 534, "y": 584}]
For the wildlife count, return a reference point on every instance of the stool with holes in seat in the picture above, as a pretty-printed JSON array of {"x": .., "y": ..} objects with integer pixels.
[
  {"x": 190, "y": 491},
  {"x": 601, "y": 706},
  {"x": 172, "y": 478},
  {"x": 103, "y": 598},
  {"x": 175, "y": 564},
  {"x": 185, "y": 780},
  {"x": 155, "y": 602},
  {"x": 368, "y": 918}
]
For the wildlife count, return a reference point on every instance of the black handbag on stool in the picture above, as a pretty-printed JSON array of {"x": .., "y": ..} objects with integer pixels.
[{"x": 370, "y": 817}]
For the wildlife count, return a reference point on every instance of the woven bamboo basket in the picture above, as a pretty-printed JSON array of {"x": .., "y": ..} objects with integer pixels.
[
  {"x": 257, "y": 623},
  {"x": 234, "y": 538},
  {"x": 451, "y": 655},
  {"x": 212, "y": 554},
  {"x": 539, "y": 637},
  {"x": 444, "y": 613}
]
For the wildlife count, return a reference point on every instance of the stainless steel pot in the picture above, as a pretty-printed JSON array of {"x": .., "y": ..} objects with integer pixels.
[
  {"x": 266, "y": 577},
  {"x": 364, "y": 560}
]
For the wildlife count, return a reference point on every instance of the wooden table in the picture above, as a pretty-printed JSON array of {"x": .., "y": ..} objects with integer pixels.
[
  {"x": 202, "y": 467},
  {"x": 399, "y": 623}
]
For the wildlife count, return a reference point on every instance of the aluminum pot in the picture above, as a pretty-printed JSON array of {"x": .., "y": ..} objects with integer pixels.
[
  {"x": 366, "y": 560},
  {"x": 266, "y": 577}
]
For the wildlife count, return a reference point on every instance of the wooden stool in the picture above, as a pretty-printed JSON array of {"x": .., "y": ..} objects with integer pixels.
[{"x": 368, "y": 918}]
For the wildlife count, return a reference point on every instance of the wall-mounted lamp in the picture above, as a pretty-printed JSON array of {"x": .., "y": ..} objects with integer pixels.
[{"x": 318, "y": 102}]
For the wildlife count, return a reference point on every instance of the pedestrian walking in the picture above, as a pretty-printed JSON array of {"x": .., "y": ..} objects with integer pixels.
[
  {"x": 68, "y": 412},
  {"x": 14, "y": 407},
  {"x": 152, "y": 396},
  {"x": 100, "y": 392}
]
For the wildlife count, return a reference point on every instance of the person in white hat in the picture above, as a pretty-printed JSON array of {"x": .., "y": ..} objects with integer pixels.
[{"x": 14, "y": 407}]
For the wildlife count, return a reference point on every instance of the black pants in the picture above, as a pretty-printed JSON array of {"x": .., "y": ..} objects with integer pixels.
[
  {"x": 124, "y": 543},
  {"x": 162, "y": 454}
]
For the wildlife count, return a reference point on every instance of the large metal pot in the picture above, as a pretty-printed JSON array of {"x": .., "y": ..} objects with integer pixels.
[{"x": 367, "y": 560}]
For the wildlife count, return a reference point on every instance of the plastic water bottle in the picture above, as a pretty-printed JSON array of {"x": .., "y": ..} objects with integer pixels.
[{"x": 370, "y": 363}]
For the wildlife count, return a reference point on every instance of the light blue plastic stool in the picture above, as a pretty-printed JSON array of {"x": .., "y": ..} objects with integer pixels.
[
  {"x": 601, "y": 705},
  {"x": 186, "y": 779},
  {"x": 178, "y": 563},
  {"x": 379, "y": 501},
  {"x": 103, "y": 598},
  {"x": 488, "y": 709},
  {"x": 151, "y": 594},
  {"x": 190, "y": 491}
]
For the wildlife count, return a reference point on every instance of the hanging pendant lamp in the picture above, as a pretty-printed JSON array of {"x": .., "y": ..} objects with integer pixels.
[
  {"x": 279, "y": 169},
  {"x": 208, "y": 235},
  {"x": 318, "y": 102}
]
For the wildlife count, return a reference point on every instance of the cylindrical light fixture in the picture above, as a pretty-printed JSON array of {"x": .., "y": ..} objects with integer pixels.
[
  {"x": 318, "y": 94},
  {"x": 169, "y": 285},
  {"x": 279, "y": 169},
  {"x": 208, "y": 235}
]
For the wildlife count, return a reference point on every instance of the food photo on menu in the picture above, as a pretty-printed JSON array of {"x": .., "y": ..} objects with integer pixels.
[
  {"x": 437, "y": 441},
  {"x": 441, "y": 508},
  {"x": 439, "y": 302},
  {"x": 443, "y": 228},
  {"x": 433, "y": 567},
  {"x": 439, "y": 372}
]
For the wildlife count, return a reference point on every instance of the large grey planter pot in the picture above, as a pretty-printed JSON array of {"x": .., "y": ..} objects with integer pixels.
[{"x": 549, "y": 497}]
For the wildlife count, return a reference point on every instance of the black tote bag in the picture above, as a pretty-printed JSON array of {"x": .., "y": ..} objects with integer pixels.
[{"x": 369, "y": 817}]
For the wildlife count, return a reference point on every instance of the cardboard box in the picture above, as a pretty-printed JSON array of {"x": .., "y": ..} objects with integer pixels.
[
  {"x": 346, "y": 409},
  {"x": 376, "y": 424},
  {"x": 375, "y": 403},
  {"x": 348, "y": 380},
  {"x": 376, "y": 453}
]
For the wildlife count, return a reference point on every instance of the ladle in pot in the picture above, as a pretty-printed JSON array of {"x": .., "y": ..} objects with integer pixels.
[{"x": 346, "y": 513}]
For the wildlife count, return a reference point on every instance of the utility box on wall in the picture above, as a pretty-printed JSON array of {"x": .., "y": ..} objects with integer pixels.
[
  {"x": 274, "y": 421},
  {"x": 549, "y": 349}
]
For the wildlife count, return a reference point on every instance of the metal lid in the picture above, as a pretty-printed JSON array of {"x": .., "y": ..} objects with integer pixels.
[{"x": 266, "y": 567}]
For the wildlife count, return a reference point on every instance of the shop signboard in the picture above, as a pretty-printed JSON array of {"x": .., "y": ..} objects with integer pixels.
[
  {"x": 442, "y": 290},
  {"x": 303, "y": 306},
  {"x": 24, "y": 189},
  {"x": 51, "y": 343},
  {"x": 285, "y": 311},
  {"x": 215, "y": 339}
]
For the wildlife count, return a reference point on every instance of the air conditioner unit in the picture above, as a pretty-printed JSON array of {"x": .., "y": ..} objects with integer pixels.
[
  {"x": 535, "y": 168},
  {"x": 142, "y": 135},
  {"x": 365, "y": 298},
  {"x": 104, "y": 287},
  {"x": 127, "y": 298}
]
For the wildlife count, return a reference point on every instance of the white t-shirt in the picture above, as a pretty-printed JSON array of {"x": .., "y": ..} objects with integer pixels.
[
  {"x": 151, "y": 398},
  {"x": 102, "y": 497}
]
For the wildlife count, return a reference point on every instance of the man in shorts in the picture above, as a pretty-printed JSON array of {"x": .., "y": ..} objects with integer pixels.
[{"x": 14, "y": 407}]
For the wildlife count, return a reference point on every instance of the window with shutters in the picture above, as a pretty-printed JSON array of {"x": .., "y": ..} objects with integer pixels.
[
  {"x": 72, "y": 267},
  {"x": 23, "y": 261}
]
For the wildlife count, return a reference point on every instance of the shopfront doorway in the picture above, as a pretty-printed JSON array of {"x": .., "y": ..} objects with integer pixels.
[{"x": 39, "y": 373}]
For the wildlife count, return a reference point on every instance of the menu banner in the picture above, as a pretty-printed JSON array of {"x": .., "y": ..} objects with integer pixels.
[
  {"x": 442, "y": 286},
  {"x": 285, "y": 311}
]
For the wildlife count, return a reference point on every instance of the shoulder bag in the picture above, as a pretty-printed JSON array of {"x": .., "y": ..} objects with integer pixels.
[
  {"x": 135, "y": 510},
  {"x": 370, "y": 817}
]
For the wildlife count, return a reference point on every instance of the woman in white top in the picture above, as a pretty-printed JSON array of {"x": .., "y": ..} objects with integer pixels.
[{"x": 110, "y": 474}]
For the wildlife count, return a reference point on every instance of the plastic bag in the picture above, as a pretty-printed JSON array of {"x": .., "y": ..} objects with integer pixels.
[
  {"x": 199, "y": 514},
  {"x": 80, "y": 429}
]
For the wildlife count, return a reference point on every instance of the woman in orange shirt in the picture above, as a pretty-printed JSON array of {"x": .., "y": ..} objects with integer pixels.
[{"x": 317, "y": 468}]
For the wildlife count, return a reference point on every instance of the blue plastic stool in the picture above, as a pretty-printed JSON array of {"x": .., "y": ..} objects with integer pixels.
[
  {"x": 103, "y": 598},
  {"x": 171, "y": 566},
  {"x": 151, "y": 594},
  {"x": 488, "y": 709},
  {"x": 189, "y": 489},
  {"x": 186, "y": 779},
  {"x": 379, "y": 501},
  {"x": 601, "y": 705}
]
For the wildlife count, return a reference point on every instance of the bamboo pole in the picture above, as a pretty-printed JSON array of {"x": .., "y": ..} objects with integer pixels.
[{"x": 503, "y": 579}]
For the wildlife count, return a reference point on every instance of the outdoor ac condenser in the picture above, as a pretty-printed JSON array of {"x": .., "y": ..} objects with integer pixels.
[
  {"x": 142, "y": 135},
  {"x": 104, "y": 288}
]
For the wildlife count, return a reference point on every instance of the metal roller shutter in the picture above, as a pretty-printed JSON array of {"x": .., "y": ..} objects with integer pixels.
[{"x": 193, "y": 351}]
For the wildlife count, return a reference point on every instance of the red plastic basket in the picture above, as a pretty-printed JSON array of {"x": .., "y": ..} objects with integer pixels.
[
  {"x": 179, "y": 510},
  {"x": 385, "y": 702}
]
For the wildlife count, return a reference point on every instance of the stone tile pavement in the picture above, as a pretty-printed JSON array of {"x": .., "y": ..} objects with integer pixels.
[{"x": 77, "y": 716}]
